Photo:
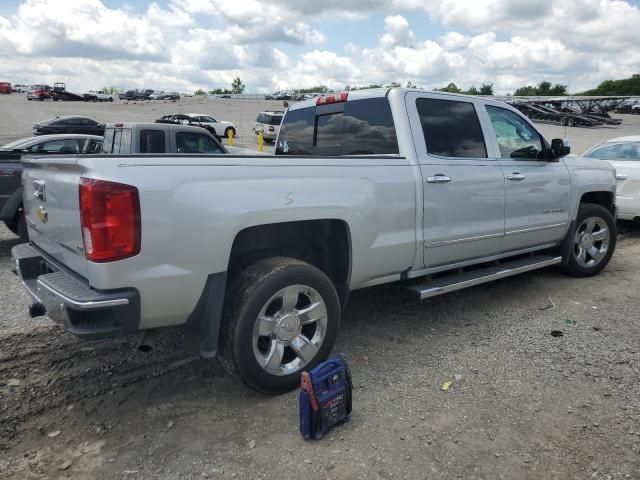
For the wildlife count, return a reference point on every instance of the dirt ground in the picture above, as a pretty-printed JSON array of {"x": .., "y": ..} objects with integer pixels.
[{"x": 523, "y": 405}]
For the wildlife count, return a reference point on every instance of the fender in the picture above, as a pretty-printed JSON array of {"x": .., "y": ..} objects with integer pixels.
[{"x": 12, "y": 207}]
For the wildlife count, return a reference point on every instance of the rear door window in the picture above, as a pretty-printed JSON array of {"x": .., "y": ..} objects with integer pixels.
[
  {"x": 451, "y": 128},
  {"x": 357, "y": 127},
  {"x": 152, "y": 141}
]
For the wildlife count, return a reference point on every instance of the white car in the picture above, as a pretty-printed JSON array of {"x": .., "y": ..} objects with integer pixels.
[
  {"x": 221, "y": 127},
  {"x": 624, "y": 154},
  {"x": 268, "y": 123},
  {"x": 100, "y": 95}
]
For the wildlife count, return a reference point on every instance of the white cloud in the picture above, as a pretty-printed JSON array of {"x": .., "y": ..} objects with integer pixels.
[{"x": 187, "y": 44}]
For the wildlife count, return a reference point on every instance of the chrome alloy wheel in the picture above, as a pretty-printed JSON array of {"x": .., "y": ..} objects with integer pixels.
[
  {"x": 289, "y": 330},
  {"x": 591, "y": 242}
]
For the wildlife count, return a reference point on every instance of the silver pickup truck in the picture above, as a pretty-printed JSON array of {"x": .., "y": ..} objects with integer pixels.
[{"x": 257, "y": 255}]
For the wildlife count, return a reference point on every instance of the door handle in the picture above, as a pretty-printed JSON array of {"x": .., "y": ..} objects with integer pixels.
[
  {"x": 439, "y": 178},
  {"x": 621, "y": 176},
  {"x": 516, "y": 176}
]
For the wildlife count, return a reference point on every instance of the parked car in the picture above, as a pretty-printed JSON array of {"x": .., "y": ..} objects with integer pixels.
[
  {"x": 256, "y": 255},
  {"x": 222, "y": 127},
  {"x": 280, "y": 95},
  {"x": 40, "y": 92},
  {"x": 74, "y": 124},
  {"x": 628, "y": 106},
  {"x": 172, "y": 96},
  {"x": 20, "y": 88},
  {"x": 157, "y": 95},
  {"x": 623, "y": 153},
  {"x": 11, "y": 211},
  {"x": 99, "y": 96},
  {"x": 268, "y": 123},
  {"x": 5, "y": 87},
  {"x": 182, "y": 119},
  {"x": 159, "y": 138}
]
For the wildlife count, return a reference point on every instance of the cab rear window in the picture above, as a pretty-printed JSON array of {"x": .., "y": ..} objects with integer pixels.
[{"x": 357, "y": 127}]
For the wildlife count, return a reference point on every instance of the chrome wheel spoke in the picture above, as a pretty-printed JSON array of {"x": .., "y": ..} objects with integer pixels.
[
  {"x": 304, "y": 349},
  {"x": 577, "y": 238},
  {"x": 591, "y": 225},
  {"x": 273, "y": 358},
  {"x": 600, "y": 235},
  {"x": 582, "y": 256},
  {"x": 265, "y": 326},
  {"x": 311, "y": 314},
  {"x": 290, "y": 298}
]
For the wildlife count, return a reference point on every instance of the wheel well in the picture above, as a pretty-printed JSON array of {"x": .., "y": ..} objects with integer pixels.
[
  {"x": 606, "y": 199},
  {"x": 322, "y": 243}
]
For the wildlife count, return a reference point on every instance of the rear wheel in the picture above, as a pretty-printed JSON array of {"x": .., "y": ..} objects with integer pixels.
[
  {"x": 281, "y": 316},
  {"x": 590, "y": 246},
  {"x": 571, "y": 122}
]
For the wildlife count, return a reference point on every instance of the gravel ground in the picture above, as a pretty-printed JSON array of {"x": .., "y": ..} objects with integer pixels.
[{"x": 523, "y": 403}]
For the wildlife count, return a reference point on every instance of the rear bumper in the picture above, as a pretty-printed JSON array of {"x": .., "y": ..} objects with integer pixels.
[{"x": 70, "y": 301}]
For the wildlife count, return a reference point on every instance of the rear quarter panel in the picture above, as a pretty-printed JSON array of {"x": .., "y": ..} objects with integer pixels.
[{"x": 193, "y": 207}]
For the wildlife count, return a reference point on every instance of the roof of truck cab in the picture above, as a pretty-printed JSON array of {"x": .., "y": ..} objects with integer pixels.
[{"x": 383, "y": 92}]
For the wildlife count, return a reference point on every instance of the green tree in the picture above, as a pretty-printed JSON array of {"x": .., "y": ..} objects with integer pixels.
[
  {"x": 111, "y": 90},
  {"x": 544, "y": 89},
  {"x": 394, "y": 85},
  {"x": 625, "y": 86},
  {"x": 486, "y": 89},
  {"x": 527, "y": 91},
  {"x": 472, "y": 91},
  {"x": 411, "y": 85},
  {"x": 451, "y": 88},
  {"x": 316, "y": 89},
  {"x": 237, "y": 86},
  {"x": 199, "y": 92}
]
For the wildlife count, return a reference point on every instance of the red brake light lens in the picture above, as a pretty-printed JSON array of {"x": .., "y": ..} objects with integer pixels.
[
  {"x": 110, "y": 219},
  {"x": 337, "y": 98}
]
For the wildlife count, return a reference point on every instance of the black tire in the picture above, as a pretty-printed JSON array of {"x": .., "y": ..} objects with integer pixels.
[
  {"x": 13, "y": 226},
  {"x": 571, "y": 122},
  {"x": 21, "y": 228},
  {"x": 230, "y": 129},
  {"x": 249, "y": 292},
  {"x": 570, "y": 249}
]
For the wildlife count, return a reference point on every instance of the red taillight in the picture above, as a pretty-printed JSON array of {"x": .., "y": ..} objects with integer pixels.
[
  {"x": 271, "y": 129},
  {"x": 110, "y": 218},
  {"x": 337, "y": 98}
]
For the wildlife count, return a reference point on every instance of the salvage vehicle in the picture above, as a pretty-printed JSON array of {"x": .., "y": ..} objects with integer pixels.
[
  {"x": 98, "y": 96},
  {"x": 256, "y": 256},
  {"x": 11, "y": 210},
  {"x": 40, "y": 92},
  {"x": 182, "y": 119},
  {"x": 268, "y": 123},
  {"x": 69, "y": 124},
  {"x": 5, "y": 87},
  {"x": 61, "y": 94},
  {"x": 222, "y": 127},
  {"x": 623, "y": 153},
  {"x": 159, "y": 138}
]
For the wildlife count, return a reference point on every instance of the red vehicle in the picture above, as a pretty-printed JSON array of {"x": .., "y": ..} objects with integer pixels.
[{"x": 5, "y": 87}]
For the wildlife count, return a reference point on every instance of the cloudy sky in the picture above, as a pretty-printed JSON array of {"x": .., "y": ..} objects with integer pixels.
[{"x": 275, "y": 44}]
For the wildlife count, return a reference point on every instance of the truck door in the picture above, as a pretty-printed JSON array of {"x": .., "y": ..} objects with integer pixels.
[
  {"x": 536, "y": 190},
  {"x": 463, "y": 186}
]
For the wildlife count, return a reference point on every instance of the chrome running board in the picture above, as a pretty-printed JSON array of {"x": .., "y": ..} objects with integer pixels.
[{"x": 458, "y": 281}]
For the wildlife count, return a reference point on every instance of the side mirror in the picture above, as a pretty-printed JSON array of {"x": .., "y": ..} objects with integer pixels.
[{"x": 559, "y": 148}]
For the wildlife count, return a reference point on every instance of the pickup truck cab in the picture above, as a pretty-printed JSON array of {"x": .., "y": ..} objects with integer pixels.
[{"x": 257, "y": 255}]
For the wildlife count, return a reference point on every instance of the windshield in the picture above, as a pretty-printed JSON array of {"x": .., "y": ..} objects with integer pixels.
[
  {"x": 616, "y": 151},
  {"x": 18, "y": 143}
]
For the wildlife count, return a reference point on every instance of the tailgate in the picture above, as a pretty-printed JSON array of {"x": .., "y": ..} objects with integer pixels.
[{"x": 51, "y": 206}]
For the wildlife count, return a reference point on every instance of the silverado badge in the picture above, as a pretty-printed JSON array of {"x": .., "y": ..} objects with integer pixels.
[{"x": 42, "y": 214}]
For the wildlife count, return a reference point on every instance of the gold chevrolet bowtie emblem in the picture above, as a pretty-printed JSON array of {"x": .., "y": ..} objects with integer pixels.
[{"x": 42, "y": 214}]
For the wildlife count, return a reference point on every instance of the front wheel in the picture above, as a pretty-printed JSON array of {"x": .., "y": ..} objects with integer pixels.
[
  {"x": 590, "y": 246},
  {"x": 281, "y": 316}
]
